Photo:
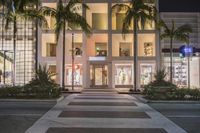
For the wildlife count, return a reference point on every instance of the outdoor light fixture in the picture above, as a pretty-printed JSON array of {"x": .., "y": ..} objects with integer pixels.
[{"x": 187, "y": 51}]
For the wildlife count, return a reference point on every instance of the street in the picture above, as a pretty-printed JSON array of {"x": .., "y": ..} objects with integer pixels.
[
  {"x": 186, "y": 115},
  {"x": 17, "y": 117}
]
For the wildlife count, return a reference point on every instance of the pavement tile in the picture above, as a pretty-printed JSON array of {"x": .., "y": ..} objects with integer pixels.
[
  {"x": 103, "y": 114},
  {"x": 103, "y": 103},
  {"x": 105, "y": 130}
]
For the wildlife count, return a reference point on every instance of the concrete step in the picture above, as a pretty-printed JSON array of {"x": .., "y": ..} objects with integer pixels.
[{"x": 99, "y": 91}]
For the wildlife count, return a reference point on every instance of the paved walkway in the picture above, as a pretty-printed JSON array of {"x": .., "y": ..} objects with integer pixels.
[{"x": 103, "y": 112}]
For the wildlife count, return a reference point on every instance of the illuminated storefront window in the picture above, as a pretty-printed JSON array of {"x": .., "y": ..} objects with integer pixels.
[
  {"x": 118, "y": 18},
  {"x": 6, "y": 73},
  {"x": 51, "y": 49},
  {"x": 146, "y": 73},
  {"x": 123, "y": 74},
  {"x": 97, "y": 16},
  {"x": 97, "y": 45},
  {"x": 180, "y": 71},
  {"x": 78, "y": 43},
  {"x": 77, "y": 75},
  {"x": 146, "y": 45},
  {"x": 48, "y": 45},
  {"x": 52, "y": 70},
  {"x": 122, "y": 47}
]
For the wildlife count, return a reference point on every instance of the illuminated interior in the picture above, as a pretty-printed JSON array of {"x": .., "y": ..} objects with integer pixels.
[
  {"x": 97, "y": 16},
  {"x": 48, "y": 45},
  {"x": 97, "y": 45}
]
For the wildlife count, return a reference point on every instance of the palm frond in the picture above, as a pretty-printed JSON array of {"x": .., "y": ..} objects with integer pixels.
[
  {"x": 29, "y": 15},
  {"x": 127, "y": 23},
  {"x": 58, "y": 28},
  {"x": 184, "y": 29},
  {"x": 161, "y": 24},
  {"x": 79, "y": 20},
  {"x": 48, "y": 11},
  {"x": 182, "y": 37},
  {"x": 164, "y": 35},
  {"x": 120, "y": 7}
]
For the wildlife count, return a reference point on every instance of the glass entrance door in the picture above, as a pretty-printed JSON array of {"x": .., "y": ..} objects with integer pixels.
[{"x": 98, "y": 75}]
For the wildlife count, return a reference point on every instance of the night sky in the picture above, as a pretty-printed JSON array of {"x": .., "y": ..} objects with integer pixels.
[{"x": 179, "y": 5}]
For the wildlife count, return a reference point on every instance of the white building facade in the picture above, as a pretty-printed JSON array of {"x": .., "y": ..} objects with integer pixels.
[{"x": 105, "y": 59}]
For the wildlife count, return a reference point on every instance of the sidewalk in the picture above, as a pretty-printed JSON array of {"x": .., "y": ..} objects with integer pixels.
[{"x": 94, "y": 112}]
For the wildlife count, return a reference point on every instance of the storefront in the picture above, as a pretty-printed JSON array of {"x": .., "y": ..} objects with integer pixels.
[
  {"x": 181, "y": 69},
  {"x": 147, "y": 71},
  {"x": 123, "y": 75},
  {"x": 78, "y": 75},
  {"x": 6, "y": 67}
]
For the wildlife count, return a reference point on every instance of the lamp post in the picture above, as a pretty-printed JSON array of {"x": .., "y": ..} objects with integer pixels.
[{"x": 73, "y": 61}]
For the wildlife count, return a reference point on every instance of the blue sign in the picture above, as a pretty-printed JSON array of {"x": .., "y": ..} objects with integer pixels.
[{"x": 186, "y": 51}]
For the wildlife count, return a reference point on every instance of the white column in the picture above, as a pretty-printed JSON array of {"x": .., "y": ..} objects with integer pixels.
[{"x": 109, "y": 62}]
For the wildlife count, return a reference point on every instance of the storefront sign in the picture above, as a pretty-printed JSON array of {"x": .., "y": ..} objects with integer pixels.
[{"x": 187, "y": 51}]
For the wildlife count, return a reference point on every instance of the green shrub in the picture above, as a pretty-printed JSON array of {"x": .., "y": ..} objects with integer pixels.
[
  {"x": 159, "y": 89},
  {"x": 187, "y": 94},
  {"x": 10, "y": 91},
  {"x": 43, "y": 85}
]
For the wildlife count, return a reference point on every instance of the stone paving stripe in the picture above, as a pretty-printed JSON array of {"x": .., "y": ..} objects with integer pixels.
[
  {"x": 103, "y": 103},
  {"x": 103, "y": 114},
  {"x": 102, "y": 98},
  {"x": 105, "y": 130}
]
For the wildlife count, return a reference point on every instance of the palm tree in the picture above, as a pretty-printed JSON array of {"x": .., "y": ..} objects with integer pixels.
[
  {"x": 18, "y": 10},
  {"x": 67, "y": 13},
  {"x": 172, "y": 33},
  {"x": 138, "y": 12}
]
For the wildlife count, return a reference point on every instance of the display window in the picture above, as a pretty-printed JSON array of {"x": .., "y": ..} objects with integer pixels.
[
  {"x": 77, "y": 75},
  {"x": 6, "y": 67},
  {"x": 146, "y": 73},
  {"x": 123, "y": 74},
  {"x": 181, "y": 75}
]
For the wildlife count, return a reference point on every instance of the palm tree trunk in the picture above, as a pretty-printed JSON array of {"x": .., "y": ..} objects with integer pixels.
[
  {"x": 63, "y": 62},
  {"x": 4, "y": 62},
  {"x": 171, "y": 59},
  {"x": 36, "y": 42},
  {"x": 73, "y": 67},
  {"x": 24, "y": 52},
  {"x": 135, "y": 49},
  {"x": 14, "y": 49}
]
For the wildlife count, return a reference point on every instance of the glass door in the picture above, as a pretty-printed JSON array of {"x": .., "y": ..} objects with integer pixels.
[{"x": 98, "y": 74}]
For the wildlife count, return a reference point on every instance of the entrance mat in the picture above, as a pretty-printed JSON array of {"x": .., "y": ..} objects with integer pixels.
[
  {"x": 103, "y": 114},
  {"x": 103, "y": 103},
  {"x": 106, "y": 98},
  {"x": 105, "y": 130}
]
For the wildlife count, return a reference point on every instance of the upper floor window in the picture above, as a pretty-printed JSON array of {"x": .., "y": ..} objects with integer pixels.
[
  {"x": 97, "y": 16},
  {"x": 97, "y": 45},
  {"x": 51, "y": 49}
]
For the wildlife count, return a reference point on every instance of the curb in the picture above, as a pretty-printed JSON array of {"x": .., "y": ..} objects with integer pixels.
[
  {"x": 60, "y": 99},
  {"x": 144, "y": 100},
  {"x": 33, "y": 100},
  {"x": 174, "y": 102}
]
